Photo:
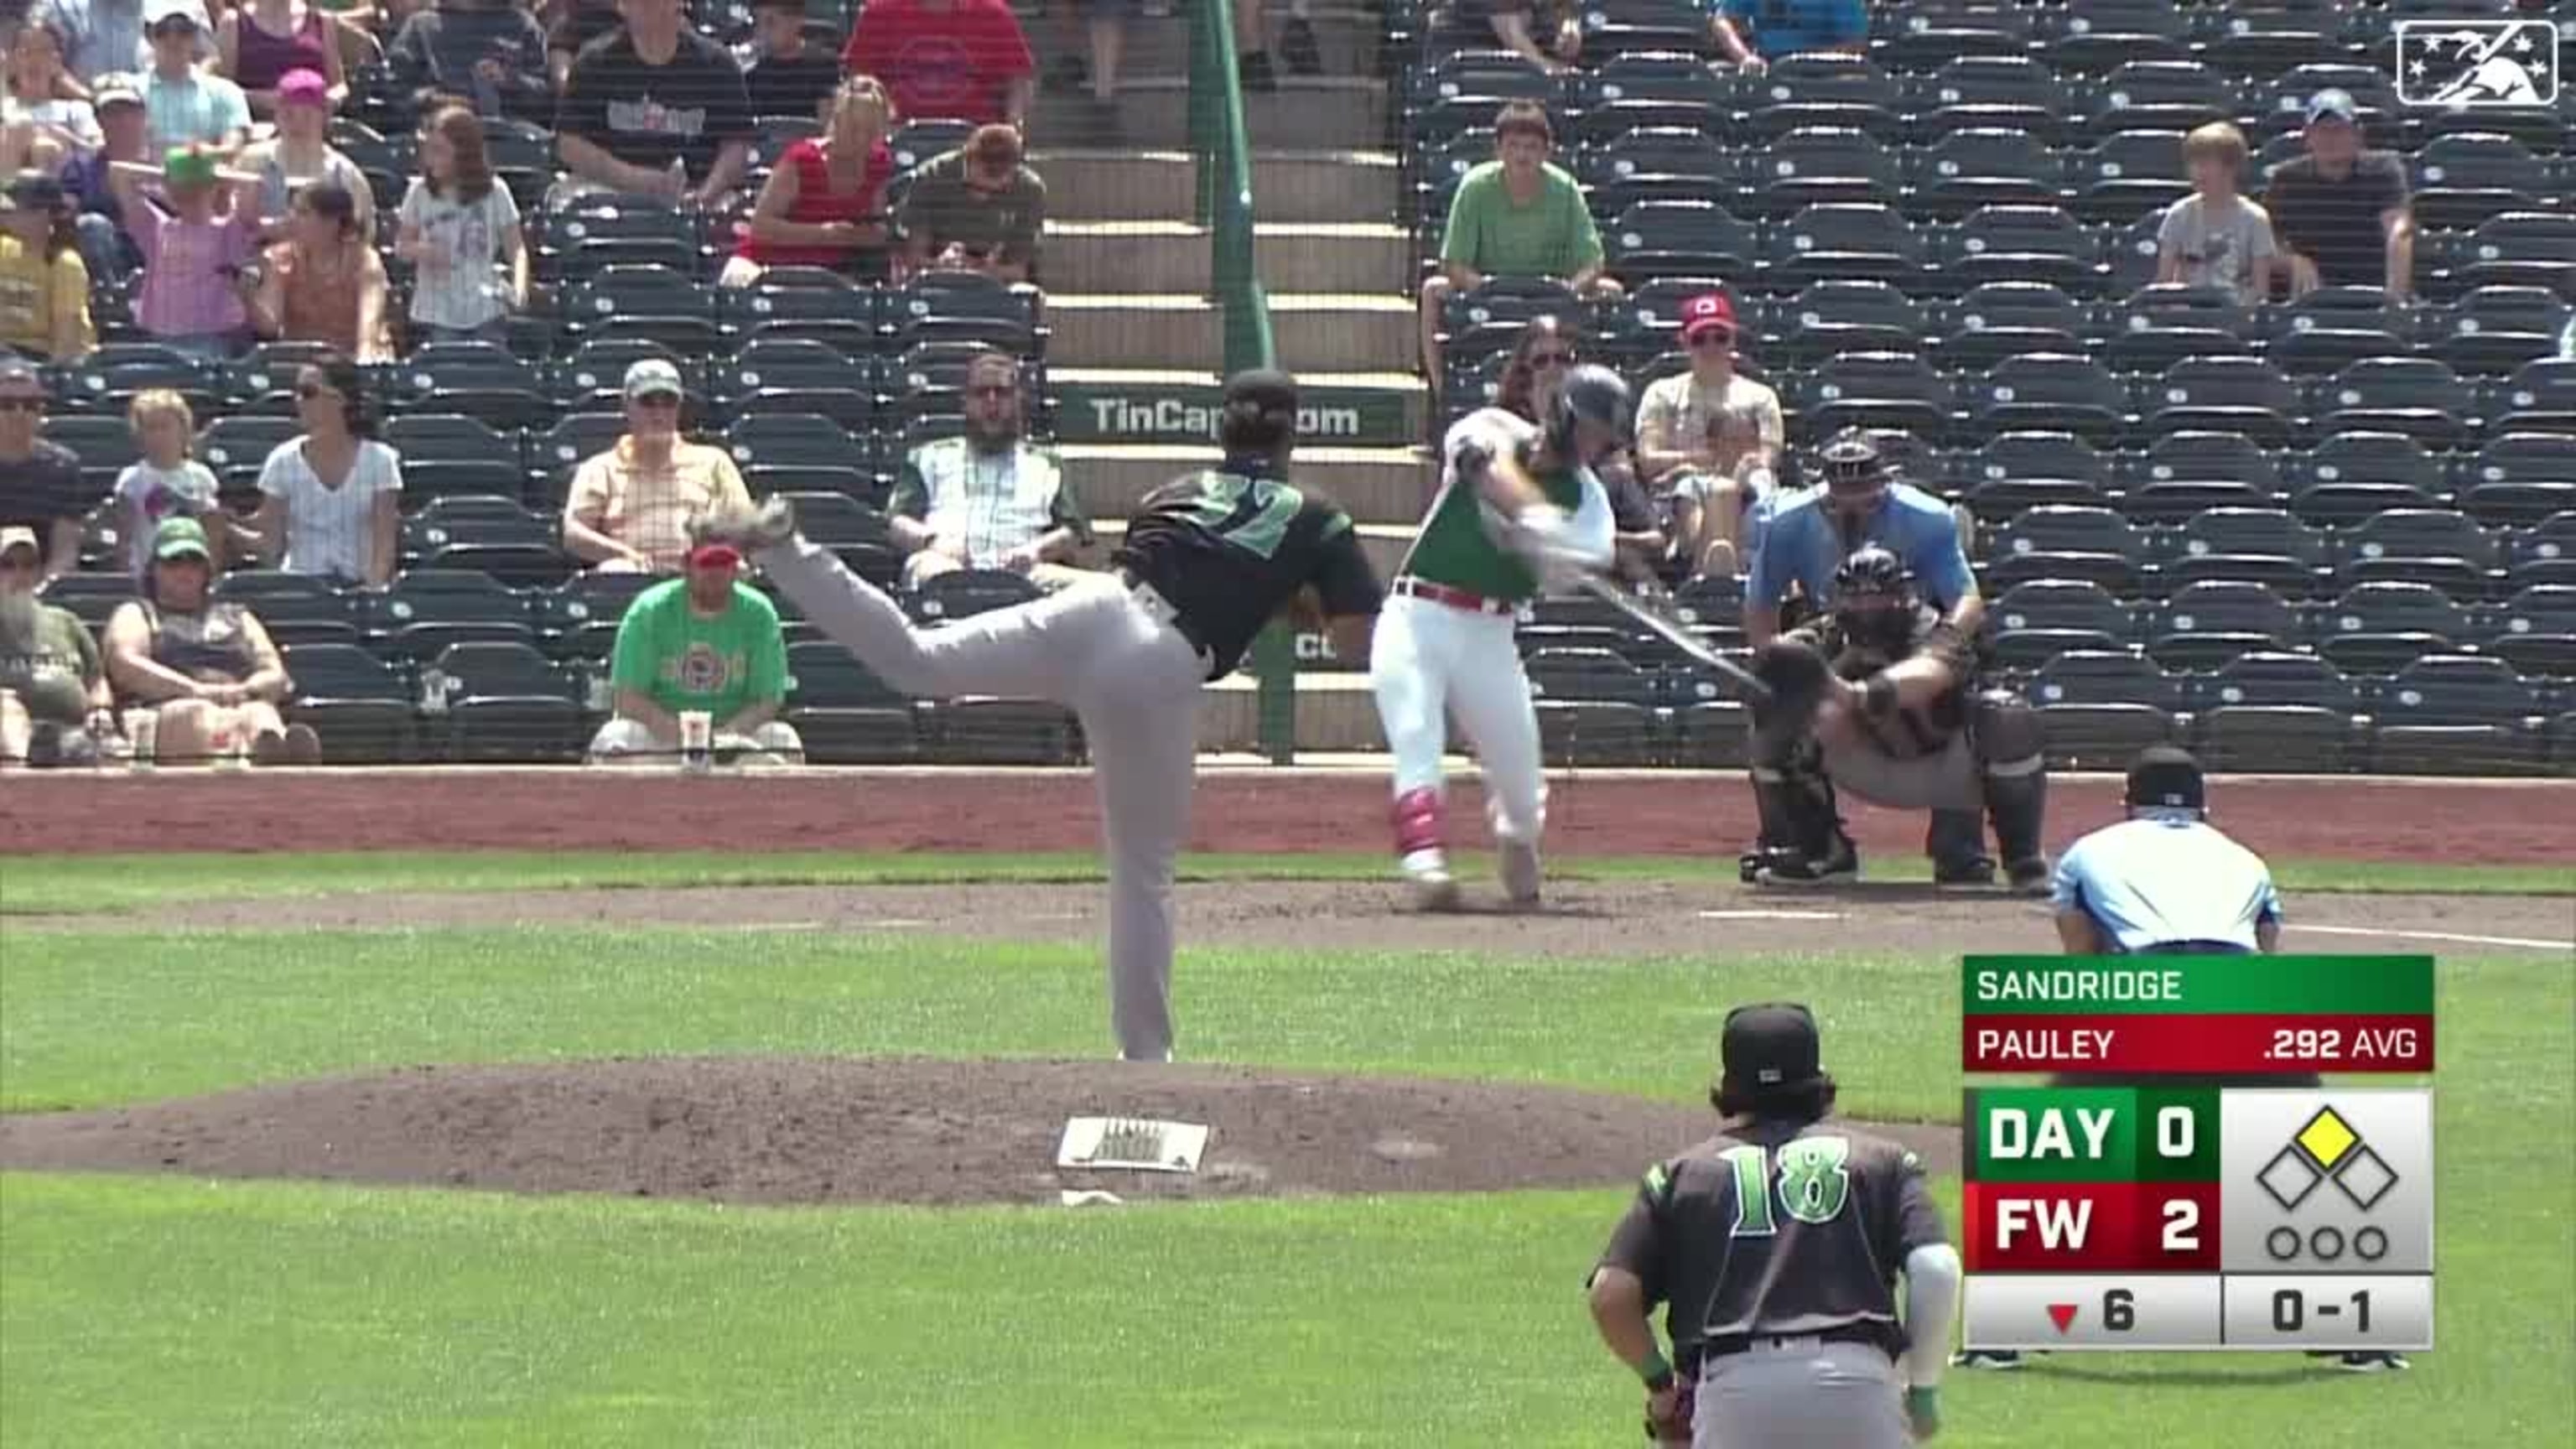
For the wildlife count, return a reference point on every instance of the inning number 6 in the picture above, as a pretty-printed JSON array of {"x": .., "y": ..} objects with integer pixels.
[{"x": 2176, "y": 1132}]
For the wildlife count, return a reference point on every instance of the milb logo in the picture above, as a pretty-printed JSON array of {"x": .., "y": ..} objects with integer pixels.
[{"x": 2477, "y": 64}]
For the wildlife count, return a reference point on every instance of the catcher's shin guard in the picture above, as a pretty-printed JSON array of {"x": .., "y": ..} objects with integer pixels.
[
  {"x": 1798, "y": 811},
  {"x": 2014, "y": 773}
]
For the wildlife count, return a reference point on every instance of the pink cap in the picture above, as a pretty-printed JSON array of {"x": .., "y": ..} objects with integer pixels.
[{"x": 303, "y": 87}]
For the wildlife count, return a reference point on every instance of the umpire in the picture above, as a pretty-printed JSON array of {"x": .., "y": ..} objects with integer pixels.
[{"x": 1775, "y": 1247}]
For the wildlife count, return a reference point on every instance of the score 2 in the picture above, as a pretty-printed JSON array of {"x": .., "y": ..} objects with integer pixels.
[{"x": 2093, "y": 1180}]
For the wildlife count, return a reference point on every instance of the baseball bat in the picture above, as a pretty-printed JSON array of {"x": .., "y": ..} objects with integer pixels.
[{"x": 1753, "y": 689}]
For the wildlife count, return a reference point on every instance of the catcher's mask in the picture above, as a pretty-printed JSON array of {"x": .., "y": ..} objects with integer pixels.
[
  {"x": 1874, "y": 600},
  {"x": 1593, "y": 395}
]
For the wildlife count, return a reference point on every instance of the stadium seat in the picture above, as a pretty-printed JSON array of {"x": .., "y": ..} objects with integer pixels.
[
  {"x": 1631, "y": 91},
  {"x": 1595, "y": 707},
  {"x": 798, "y": 452},
  {"x": 2519, "y": 248},
  {"x": 480, "y": 380},
  {"x": 2070, "y": 543},
  {"x": 2462, "y": 180},
  {"x": 796, "y": 375},
  {"x": 593, "y": 379},
  {"x": 846, "y": 715},
  {"x": 2127, "y": 175},
  {"x": 1989, "y": 92},
  {"x": 2540, "y": 397},
  {"x": 2097, "y": 709},
  {"x": 2183, "y": 473},
  {"x": 1915, "y": 35},
  {"x": 2416, "y": 396},
  {"x": 2020, "y": 244},
  {"x": 839, "y": 316},
  {"x": 1999, "y": 320},
  {"x": 2437, "y": 546},
  {"x": 497, "y": 535},
  {"x": 104, "y": 444},
  {"x": 447, "y": 455},
  {"x": 1985, "y": 166},
  {"x": 2519, "y": 478},
  {"x": 2014, "y": 471},
  {"x": 2160, "y": 325},
  {"x": 2035, "y": 622},
  {"x": 2250, "y": 544},
  {"x": 2048, "y": 392},
  {"x": 2544, "y": 553},
  {"x": 2334, "y": 328},
  {"x": 426, "y": 610},
  {"x": 2456, "y": 714},
  {"x": 2377, "y": 627},
  {"x": 2103, "y": 34},
  {"x": 2383, "y": 116},
  {"x": 2205, "y": 624},
  {"x": 1617, "y": 27},
  {"x": 1840, "y": 240},
  {"x": 2276, "y": 711},
  {"x": 575, "y": 243},
  {"x": 1666, "y": 238},
  {"x": 503, "y": 701},
  {"x": 296, "y": 609},
  {"x": 965, "y": 307},
  {"x": 2535, "y": 631},
  {"x": 1822, "y": 165},
  {"x": 237, "y": 448},
  {"x": 1895, "y": 390},
  {"x": 360, "y": 706},
  {"x": 579, "y": 619},
  {"x": 2494, "y": 330},
  {"x": 1654, "y": 163},
  {"x": 2155, "y": 95},
  {"x": 2268, "y": 37},
  {"x": 561, "y": 450},
  {"x": 1851, "y": 314},
  {"x": 653, "y": 301},
  {"x": 2242, "y": 395},
  {"x": 1823, "y": 90}
]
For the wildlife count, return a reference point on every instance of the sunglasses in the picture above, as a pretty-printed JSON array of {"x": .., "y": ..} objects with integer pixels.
[
  {"x": 657, "y": 400},
  {"x": 994, "y": 390},
  {"x": 22, "y": 404},
  {"x": 1711, "y": 338},
  {"x": 1544, "y": 361},
  {"x": 17, "y": 564},
  {"x": 311, "y": 390}
]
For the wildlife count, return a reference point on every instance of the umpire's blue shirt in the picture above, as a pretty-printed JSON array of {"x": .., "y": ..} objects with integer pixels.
[
  {"x": 2167, "y": 879},
  {"x": 1804, "y": 543}
]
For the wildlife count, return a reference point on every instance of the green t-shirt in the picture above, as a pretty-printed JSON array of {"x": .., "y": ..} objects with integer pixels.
[
  {"x": 47, "y": 659},
  {"x": 1552, "y": 236},
  {"x": 721, "y": 665}
]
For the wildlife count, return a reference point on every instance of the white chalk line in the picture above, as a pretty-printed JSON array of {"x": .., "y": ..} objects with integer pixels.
[
  {"x": 2397, "y": 935},
  {"x": 1771, "y": 915}
]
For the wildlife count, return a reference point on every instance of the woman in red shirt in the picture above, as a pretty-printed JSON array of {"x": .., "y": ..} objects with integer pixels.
[{"x": 823, "y": 205}]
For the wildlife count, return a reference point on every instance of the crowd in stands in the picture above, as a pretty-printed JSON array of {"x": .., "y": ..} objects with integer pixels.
[{"x": 240, "y": 224}]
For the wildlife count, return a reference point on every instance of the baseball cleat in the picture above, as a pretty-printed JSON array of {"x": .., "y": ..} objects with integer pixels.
[
  {"x": 764, "y": 525},
  {"x": 1434, "y": 889},
  {"x": 2029, "y": 877},
  {"x": 1517, "y": 863},
  {"x": 1988, "y": 1358},
  {"x": 2380, "y": 1362},
  {"x": 1963, "y": 874},
  {"x": 1795, "y": 869}
]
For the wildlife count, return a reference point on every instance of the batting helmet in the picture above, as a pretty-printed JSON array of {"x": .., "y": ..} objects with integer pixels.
[{"x": 1589, "y": 394}]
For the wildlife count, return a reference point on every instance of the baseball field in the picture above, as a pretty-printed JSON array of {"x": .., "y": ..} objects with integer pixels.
[{"x": 521, "y": 1109}]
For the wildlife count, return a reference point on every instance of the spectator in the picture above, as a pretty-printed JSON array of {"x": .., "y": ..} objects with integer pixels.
[
  {"x": 655, "y": 109},
  {"x": 630, "y": 507},
  {"x": 113, "y": 37},
  {"x": 55, "y": 708},
  {"x": 301, "y": 155},
  {"x": 489, "y": 53},
  {"x": 261, "y": 42},
  {"x": 40, "y": 480},
  {"x": 1515, "y": 216},
  {"x": 988, "y": 499},
  {"x": 2342, "y": 215},
  {"x": 206, "y": 666},
  {"x": 324, "y": 283},
  {"x": 188, "y": 106},
  {"x": 964, "y": 60},
  {"x": 105, "y": 248},
  {"x": 1710, "y": 440},
  {"x": 976, "y": 209},
  {"x": 44, "y": 286},
  {"x": 1296, "y": 43},
  {"x": 2215, "y": 237},
  {"x": 1547, "y": 33},
  {"x": 1540, "y": 358},
  {"x": 197, "y": 253},
  {"x": 166, "y": 483},
  {"x": 1787, "y": 27},
  {"x": 571, "y": 25},
  {"x": 703, "y": 641},
  {"x": 460, "y": 229},
  {"x": 331, "y": 498},
  {"x": 824, "y": 203},
  {"x": 785, "y": 73},
  {"x": 42, "y": 126}
]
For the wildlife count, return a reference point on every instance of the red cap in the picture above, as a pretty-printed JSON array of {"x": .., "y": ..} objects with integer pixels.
[
  {"x": 715, "y": 556},
  {"x": 1705, "y": 311}
]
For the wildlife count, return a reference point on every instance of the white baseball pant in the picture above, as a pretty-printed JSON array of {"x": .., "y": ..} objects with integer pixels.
[{"x": 1426, "y": 658}]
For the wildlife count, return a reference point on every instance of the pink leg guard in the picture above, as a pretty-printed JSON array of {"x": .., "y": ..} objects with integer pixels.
[{"x": 1417, "y": 821}]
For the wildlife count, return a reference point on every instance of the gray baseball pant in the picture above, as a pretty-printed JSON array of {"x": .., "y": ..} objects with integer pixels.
[
  {"x": 1801, "y": 1394},
  {"x": 1113, "y": 657}
]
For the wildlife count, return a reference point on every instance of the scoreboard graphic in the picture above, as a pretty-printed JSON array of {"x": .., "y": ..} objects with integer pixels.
[{"x": 2158, "y": 1193}]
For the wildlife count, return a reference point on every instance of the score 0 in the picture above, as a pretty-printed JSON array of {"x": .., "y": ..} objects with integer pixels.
[{"x": 2097, "y": 1180}]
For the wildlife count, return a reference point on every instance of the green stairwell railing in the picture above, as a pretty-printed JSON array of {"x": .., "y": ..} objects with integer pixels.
[{"x": 1223, "y": 149}]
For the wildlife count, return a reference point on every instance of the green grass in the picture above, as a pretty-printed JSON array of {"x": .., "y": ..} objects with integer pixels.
[
  {"x": 110, "y": 883},
  {"x": 176, "y": 1312}
]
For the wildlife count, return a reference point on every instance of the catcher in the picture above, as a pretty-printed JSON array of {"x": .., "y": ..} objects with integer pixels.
[
  {"x": 1880, "y": 696},
  {"x": 1776, "y": 1246}
]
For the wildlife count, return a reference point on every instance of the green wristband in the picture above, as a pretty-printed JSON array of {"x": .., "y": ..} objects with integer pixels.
[{"x": 1657, "y": 1371}]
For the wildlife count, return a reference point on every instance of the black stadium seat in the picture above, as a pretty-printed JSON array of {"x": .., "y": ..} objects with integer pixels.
[
  {"x": 2098, "y": 709},
  {"x": 1595, "y": 707},
  {"x": 2456, "y": 714},
  {"x": 2037, "y": 621},
  {"x": 2383, "y": 626},
  {"x": 503, "y": 701},
  {"x": 2269, "y": 711},
  {"x": 362, "y": 708},
  {"x": 2535, "y": 631},
  {"x": 2203, "y": 625},
  {"x": 845, "y": 714}
]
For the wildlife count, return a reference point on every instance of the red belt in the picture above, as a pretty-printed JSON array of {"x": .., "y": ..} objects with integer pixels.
[{"x": 1407, "y": 584}]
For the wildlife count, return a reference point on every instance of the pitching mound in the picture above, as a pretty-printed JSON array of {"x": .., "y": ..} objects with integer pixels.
[{"x": 768, "y": 1130}]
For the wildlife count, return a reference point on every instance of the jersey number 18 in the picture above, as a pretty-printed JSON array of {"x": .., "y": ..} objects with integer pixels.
[{"x": 1812, "y": 1179}]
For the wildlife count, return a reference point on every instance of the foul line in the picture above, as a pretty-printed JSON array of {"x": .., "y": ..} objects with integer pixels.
[
  {"x": 2435, "y": 936},
  {"x": 1771, "y": 915}
]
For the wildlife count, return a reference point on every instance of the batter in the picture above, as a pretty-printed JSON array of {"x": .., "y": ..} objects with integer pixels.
[
  {"x": 1208, "y": 559},
  {"x": 1519, "y": 510}
]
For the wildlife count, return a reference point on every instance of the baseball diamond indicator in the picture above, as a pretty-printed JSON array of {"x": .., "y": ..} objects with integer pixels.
[{"x": 2062, "y": 1314}]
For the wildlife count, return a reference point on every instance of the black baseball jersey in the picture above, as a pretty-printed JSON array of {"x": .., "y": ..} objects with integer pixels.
[
  {"x": 1911, "y": 733},
  {"x": 1777, "y": 1230},
  {"x": 1228, "y": 547}
]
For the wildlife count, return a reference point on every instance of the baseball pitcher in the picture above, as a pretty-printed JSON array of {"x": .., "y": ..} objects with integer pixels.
[
  {"x": 1519, "y": 511},
  {"x": 1775, "y": 1247},
  {"x": 1208, "y": 559},
  {"x": 1879, "y": 696}
]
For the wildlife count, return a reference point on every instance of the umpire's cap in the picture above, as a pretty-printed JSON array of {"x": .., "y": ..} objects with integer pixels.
[
  {"x": 2166, "y": 777},
  {"x": 1771, "y": 1047},
  {"x": 1853, "y": 463}
]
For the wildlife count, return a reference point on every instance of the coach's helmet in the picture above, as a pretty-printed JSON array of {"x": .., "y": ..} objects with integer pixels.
[
  {"x": 1594, "y": 395},
  {"x": 1874, "y": 600}
]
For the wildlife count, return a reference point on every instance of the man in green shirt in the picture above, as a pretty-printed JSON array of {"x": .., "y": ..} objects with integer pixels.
[
  {"x": 704, "y": 642},
  {"x": 54, "y": 704},
  {"x": 1518, "y": 215}
]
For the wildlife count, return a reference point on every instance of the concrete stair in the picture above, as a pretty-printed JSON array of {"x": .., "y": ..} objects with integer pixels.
[
  {"x": 1328, "y": 112},
  {"x": 1315, "y": 333},
  {"x": 1160, "y": 44},
  {"x": 1091, "y": 184},
  {"x": 1174, "y": 256}
]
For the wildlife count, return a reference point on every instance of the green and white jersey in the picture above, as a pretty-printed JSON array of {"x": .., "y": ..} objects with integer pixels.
[{"x": 1452, "y": 546}]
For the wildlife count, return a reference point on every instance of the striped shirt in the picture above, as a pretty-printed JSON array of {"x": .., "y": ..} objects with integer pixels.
[
  {"x": 330, "y": 530},
  {"x": 2167, "y": 879},
  {"x": 188, "y": 272},
  {"x": 197, "y": 108},
  {"x": 648, "y": 509},
  {"x": 991, "y": 502}
]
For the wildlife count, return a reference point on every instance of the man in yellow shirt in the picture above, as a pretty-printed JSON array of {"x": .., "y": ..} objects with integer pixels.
[
  {"x": 630, "y": 506},
  {"x": 44, "y": 288}
]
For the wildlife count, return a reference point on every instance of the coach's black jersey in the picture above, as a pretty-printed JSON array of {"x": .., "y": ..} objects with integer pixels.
[
  {"x": 1227, "y": 548},
  {"x": 1776, "y": 1230}
]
